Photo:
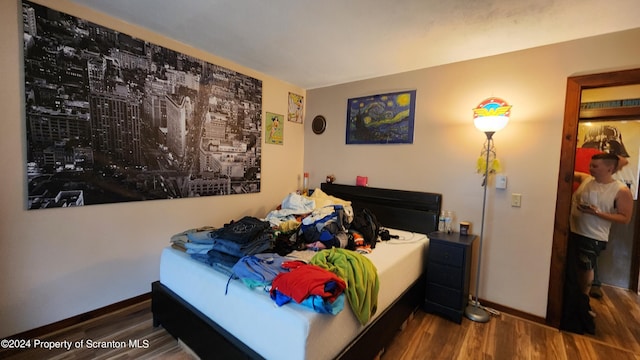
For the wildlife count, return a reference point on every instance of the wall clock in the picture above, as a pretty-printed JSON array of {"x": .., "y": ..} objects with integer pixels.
[{"x": 319, "y": 124}]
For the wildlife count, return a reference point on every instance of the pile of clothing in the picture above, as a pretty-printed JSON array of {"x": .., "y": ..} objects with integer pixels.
[
  {"x": 180, "y": 240},
  {"x": 255, "y": 251},
  {"x": 289, "y": 279},
  {"x": 309, "y": 285},
  {"x": 321, "y": 285},
  {"x": 318, "y": 221},
  {"x": 222, "y": 248}
]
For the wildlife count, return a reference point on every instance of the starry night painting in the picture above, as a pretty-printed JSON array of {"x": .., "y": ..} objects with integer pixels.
[{"x": 381, "y": 119}]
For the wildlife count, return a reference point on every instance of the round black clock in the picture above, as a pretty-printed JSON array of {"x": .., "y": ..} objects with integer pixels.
[{"x": 319, "y": 124}]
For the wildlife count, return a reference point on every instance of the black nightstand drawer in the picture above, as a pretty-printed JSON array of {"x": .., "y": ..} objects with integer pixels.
[
  {"x": 444, "y": 275},
  {"x": 448, "y": 274},
  {"x": 449, "y": 313},
  {"x": 444, "y": 296},
  {"x": 446, "y": 254}
]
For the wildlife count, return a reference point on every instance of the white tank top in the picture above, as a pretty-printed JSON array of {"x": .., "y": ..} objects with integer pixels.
[{"x": 603, "y": 197}]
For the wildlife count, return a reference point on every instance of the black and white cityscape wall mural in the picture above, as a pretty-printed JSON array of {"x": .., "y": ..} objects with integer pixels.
[{"x": 111, "y": 118}]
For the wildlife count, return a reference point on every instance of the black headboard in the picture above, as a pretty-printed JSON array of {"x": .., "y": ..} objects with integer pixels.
[{"x": 398, "y": 209}]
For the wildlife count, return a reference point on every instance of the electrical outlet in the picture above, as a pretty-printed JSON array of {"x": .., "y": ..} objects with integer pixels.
[{"x": 516, "y": 200}]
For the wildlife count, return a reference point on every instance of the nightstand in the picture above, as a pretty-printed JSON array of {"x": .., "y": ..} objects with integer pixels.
[{"x": 448, "y": 274}]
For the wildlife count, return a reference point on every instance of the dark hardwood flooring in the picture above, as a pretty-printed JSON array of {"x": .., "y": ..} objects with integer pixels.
[
  {"x": 617, "y": 319},
  {"x": 426, "y": 336},
  {"x": 132, "y": 323},
  {"x": 507, "y": 337}
]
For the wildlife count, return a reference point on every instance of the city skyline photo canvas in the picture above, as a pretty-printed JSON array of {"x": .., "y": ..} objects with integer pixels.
[{"x": 111, "y": 118}]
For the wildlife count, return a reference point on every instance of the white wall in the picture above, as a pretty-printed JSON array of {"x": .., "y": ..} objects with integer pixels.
[
  {"x": 442, "y": 158},
  {"x": 57, "y": 263}
]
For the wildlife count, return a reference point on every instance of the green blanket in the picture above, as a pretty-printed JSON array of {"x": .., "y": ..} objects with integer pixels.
[{"x": 360, "y": 275}]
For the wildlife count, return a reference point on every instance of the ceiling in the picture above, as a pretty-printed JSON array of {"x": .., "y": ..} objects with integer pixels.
[{"x": 316, "y": 43}]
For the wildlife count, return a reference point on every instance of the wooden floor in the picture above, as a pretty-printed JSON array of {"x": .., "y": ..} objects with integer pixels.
[
  {"x": 506, "y": 337},
  {"x": 426, "y": 336},
  {"x": 618, "y": 319},
  {"x": 132, "y": 323}
]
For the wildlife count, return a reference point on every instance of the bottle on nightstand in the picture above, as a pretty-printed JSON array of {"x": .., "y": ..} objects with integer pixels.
[{"x": 441, "y": 222}]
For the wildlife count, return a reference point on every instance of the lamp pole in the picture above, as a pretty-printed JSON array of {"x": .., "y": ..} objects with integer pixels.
[
  {"x": 475, "y": 312},
  {"x": 491, "y": 115}
]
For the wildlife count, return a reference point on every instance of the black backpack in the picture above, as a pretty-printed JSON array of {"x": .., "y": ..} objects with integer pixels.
[{"x": 366, "y": 223}]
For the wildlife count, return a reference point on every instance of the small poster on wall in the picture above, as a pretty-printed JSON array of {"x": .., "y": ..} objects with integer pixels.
[
  {"x": 296, "y": 108},
  {"x": 606, "y": 136},
  {"x": 274, "y": 129}
]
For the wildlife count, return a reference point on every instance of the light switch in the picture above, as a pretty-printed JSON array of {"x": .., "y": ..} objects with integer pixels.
[{"x": 516, "y": 200}]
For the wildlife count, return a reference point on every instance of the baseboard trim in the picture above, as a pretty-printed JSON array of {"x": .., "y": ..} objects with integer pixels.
[
  {"x": 75, "y": 320},
  {"x": 514, "y": 312}
]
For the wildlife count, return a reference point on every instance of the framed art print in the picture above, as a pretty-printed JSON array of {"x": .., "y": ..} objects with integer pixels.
[
  {"x": 274, "y": 129},
  {"x": 381, "y": 119},
  {"x": 296, "y": 108},
  {"x": 111, "y": 118},
  {"x": 607, "y": 136}
]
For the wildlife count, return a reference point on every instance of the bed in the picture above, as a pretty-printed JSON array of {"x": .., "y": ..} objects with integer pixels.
[{"x": 189, "y": 300}]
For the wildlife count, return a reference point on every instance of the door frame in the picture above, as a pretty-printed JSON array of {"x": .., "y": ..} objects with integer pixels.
[{"x": 575, "y": 85}]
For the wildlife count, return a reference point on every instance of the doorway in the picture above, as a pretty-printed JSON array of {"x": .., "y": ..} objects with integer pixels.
[
  {"x": 622, "y": 138},
  {"x": 575, "y": 87}
]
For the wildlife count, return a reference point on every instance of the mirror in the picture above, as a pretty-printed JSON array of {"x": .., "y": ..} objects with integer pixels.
[{"x": 577, "y": 87}]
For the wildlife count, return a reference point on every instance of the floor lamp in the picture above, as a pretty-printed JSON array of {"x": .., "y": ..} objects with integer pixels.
[{"x": 490, "y": 116}]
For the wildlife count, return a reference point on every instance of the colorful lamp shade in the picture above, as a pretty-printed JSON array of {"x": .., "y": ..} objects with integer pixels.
[{"x": 491, "y": 115}]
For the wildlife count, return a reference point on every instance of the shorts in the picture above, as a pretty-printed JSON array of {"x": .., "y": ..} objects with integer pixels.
[{"x": 587, "y": 250}]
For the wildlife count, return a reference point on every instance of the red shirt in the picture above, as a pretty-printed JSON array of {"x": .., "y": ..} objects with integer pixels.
[{"x": 305, "y": 280}]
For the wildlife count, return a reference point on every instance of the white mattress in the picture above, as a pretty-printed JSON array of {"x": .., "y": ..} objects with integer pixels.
[{"x": 290, "y": 331}]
